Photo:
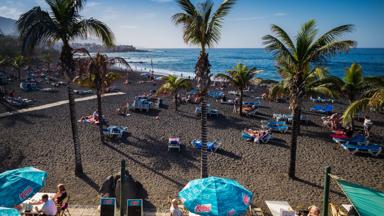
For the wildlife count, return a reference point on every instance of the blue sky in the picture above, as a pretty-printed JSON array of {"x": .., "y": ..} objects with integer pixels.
[{"x": 147, "y": 23}]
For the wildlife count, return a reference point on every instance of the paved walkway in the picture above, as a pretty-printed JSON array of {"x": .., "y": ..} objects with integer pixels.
[
  {"x": 59, "y": 103},
  {"x": 92, "y": 211}
]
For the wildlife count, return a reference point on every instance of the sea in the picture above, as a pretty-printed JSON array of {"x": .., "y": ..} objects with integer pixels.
[{"x": 182, "y": 62}]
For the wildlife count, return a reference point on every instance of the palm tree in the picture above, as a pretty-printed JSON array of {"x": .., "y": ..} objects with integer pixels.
[
  {"x": 316, "y": 81},
  {"x": 240, "y": 76},
  {"x": 173, "y": 85},
  {"x": 202, "y": 27},
  {"x": 299, "y": 56},
  {"x": 371, "y": 95},
  {"x": 18, "y": 63},
  {"x": 62, "y": 23},
  {"x": 97, "y": 76}
]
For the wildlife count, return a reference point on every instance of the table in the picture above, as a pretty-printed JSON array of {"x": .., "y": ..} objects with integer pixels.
[
  {"x": 276, "y": 206},
  {"x": 34, "y": 199}
]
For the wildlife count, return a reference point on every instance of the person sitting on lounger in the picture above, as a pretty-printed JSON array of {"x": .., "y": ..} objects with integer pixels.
[
  {"x": 313, "y": 211},
  {"x": 175, "y": 211}
]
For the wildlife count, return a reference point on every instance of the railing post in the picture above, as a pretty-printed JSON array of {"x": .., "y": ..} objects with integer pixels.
[
  {"x": 122, "y": 188},
  {"x": 326, "y": 191}
]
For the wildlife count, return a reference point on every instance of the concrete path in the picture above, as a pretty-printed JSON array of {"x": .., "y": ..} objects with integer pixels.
[
  {"x": 59, "y": 103},
  {"x": 92, "y": 211}
]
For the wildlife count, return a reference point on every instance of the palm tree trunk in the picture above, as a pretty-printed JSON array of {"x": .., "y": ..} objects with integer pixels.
[
  {"x": 66, "y": 58},
  {"x": 204, "y": 140},
  {"x": 75, "y": 135},
  {"x": 175, "y": 101},
  {"x": 241, "y": 102},
  {"x": 203, "y": 81},
  {"x": 295, "y": 134},
  {"x": 100, "y": 112}
]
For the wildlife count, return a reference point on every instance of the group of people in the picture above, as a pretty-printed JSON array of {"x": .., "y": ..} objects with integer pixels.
[
  {"x": 176, "y": 211},
  {"x": 50, "y": 206},
  {"x": 334, "y": 122}
]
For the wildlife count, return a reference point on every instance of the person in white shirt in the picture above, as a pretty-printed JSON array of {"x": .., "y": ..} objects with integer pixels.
[
  {"x": 49, "y": 207},
  {"x": 367, "y": 125}
]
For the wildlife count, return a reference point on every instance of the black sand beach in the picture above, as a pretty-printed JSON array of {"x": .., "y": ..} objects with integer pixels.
[{"x": 42, "y": 139}]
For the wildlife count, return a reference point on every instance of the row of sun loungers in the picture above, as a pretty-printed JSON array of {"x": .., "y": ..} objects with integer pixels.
[
  {"x": 321, "y": 100},
  {"x": 210, "y": 111},
  {"x": 357, "y": 143},
  {"x": 115, "y": 132},
  {"x": 145, "y": 104},
  {"x": 174, "y": 143},
  {"x": 328, "y": 108},
  {"x": 18, "y": 101}
]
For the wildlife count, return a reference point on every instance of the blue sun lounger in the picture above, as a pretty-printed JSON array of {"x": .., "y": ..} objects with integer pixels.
[
  {"x": 322, "y": 109},
  {"x": 211, "y": 145},
  {"x": 358, "y": 139},
  {"x": 216, "y": 94},
  {"x": 280, "y": 126},
  {"x": 372, "y": 149}
]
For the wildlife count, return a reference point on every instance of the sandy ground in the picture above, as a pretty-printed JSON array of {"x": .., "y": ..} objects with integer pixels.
[{"x": 42, "y": 139}]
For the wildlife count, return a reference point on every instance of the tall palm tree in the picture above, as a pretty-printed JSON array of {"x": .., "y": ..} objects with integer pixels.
[
  {"x": 98, "y": 76},
  {"x": 62, "y": 23},
  {"x": 299, "y": 56},
  {"x": 18, "y": 63},
  {"x": 202, "y": 27},
  {"x": 173, "y": 85},
  {"x": 240, "y": 76}
]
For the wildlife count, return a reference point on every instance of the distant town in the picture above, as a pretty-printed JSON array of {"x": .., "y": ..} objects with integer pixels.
[{"x": 93, "y": 47}]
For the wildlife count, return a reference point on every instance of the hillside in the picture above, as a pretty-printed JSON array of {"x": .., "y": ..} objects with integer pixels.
[{"x": 8, "y": 26}]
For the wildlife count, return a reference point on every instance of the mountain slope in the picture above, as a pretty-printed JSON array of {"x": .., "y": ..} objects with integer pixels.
[{"x": 8, "y": 26}]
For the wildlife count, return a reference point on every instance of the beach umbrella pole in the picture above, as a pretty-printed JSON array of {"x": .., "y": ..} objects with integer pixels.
[
  {"x": 326, "y": 191},
  {"x": 122, "y": 185}
]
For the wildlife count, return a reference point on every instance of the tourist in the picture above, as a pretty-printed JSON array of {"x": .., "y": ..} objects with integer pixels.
[
  {"x": 60, "y": 195},
  {"x": 367, "y": 125},
  {"x": 48, "y": 208},
  {"x": 235, "y": 105},
  {"x": 313, "y": 211},
  {"x": 175, "y": 211}
]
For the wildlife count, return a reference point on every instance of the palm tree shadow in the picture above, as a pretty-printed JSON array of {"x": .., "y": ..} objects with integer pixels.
[
  {"x": 278, "y": 143},
  {"x": 316, "y": 185},
  {"x": 89, "y": 181},
  {"x": 226, "y": 153},
  {"x": 144, "y": 165},
  {"x": 11, "y": 121}
]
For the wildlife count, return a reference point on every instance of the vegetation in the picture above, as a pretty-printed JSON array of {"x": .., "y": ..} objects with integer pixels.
[
  {"x": 173, "y": 85},
  {"x": 316, "y": 81},
  {"x": 97, "y": 76},
  {"x": 202, "y": 27},
  {"x": 362, "y": 92},
  {"x": 18, "y": 63},
  {"x": 240, "y": 76},
  {"x": 298, "y": 57},
  {"x": 62, "y": 23}
]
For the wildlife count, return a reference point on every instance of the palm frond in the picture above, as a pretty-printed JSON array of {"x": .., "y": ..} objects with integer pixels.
[
  {"x": 215, "y": 24},
  {"x": 283, "y": 36},
  {"x": 277, "y": 47},
  {"x": 353, "y": 109},
  {"x": 36, "y": 26},
  {"x": 96, "y": 27}
]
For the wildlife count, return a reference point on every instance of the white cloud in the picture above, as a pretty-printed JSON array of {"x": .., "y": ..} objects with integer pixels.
[{"x": 10, "y": 12}]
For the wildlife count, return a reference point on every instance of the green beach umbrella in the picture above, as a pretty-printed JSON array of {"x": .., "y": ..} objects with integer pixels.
[{"x": 367, "y": 201}]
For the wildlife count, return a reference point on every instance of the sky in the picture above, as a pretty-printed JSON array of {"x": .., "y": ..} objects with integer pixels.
[{"x": 147, "y": 23}]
